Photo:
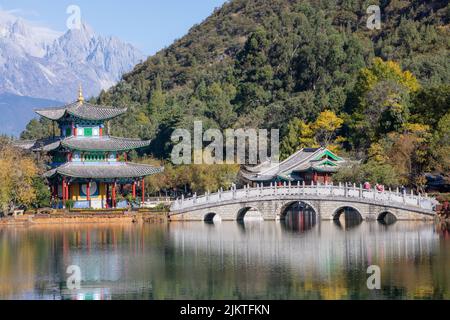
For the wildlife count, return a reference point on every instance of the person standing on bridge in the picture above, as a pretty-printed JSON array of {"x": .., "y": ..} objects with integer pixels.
[
  {"x": 367, "y": 185},
  {"x": 403, "y": 189}
]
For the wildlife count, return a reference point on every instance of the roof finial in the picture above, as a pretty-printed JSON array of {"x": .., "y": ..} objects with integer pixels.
[{"x": 80, "y": 94}]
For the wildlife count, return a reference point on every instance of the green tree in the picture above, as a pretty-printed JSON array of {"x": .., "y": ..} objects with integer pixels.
[
  {"x": 441, "y": 145},
  {"x": 157, "y": 100},
  {"x": 218, "y": 100},
  {"x": 299, "y": 135},
  {"x": 43, "y": 194},
  {"x": 380, "y": 101},
  {"x": 39, "y": 129},
  {"x": 430, "y": 104},
  {"x": 254, "y": 69}
]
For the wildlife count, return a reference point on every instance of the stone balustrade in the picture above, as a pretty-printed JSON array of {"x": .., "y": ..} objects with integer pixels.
[{"x": 317, "y": 191}]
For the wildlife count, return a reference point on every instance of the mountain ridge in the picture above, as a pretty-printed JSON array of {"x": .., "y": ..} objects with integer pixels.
[
  {"x": 42, "y": 63},
  {"x": 17, "y": 111}
]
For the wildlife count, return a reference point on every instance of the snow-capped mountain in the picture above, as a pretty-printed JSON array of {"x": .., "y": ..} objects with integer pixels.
[{"x": 42, "y": 63}]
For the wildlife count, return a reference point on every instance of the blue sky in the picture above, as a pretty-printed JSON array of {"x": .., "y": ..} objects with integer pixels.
[{"x": 150, "y": 25}]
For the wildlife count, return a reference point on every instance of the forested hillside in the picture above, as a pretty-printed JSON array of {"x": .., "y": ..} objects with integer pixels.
[{"x": 282, "y": 64}]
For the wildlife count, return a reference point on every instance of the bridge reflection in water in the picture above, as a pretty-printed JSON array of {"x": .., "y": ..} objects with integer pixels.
[
  {"x": 299, "y": 216},
  {"x": 347, "y": 218},
  {"x": 227, "y": 260}
]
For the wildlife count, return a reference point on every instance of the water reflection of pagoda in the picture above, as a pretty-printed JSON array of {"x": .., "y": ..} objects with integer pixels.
[{"x": 86, "y": 166}]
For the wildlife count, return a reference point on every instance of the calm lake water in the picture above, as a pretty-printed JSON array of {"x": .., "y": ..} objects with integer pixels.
[{"x": 227, "y": 260}]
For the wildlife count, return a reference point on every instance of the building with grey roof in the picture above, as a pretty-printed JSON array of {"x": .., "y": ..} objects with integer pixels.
[{"x": 89, "y": 168}]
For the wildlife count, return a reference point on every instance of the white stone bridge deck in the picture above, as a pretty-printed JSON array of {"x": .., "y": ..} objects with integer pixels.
[{"x": 326, "y": 200}]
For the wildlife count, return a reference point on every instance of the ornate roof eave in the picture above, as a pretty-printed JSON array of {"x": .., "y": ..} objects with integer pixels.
[
  {"x": 326, "y": 169},
  {"x": 82, "y": 111},
  {"x": 104, "y": 144},
  {"x": 85, "y": 144},
  {"x": 41, "y": 145},
  {"x": 104, "y": 171},
  {"x": 285, "y": 177},
  {"x": 118, "y": 112},
  {"x": 53, "y": 114},
  {"x": 250, "y": 176}
]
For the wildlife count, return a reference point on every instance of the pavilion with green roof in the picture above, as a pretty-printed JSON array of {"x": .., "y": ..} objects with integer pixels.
[
  {"x": 308, "y": 165},
  {"x": 85, "y": 165}
]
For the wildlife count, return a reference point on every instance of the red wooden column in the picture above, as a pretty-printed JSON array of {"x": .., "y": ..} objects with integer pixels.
[
  {"x": 88, "y": 192},
  {"x": 67, "y": 191},
  {"x": 315, "y": 178},
  {"x": 64, "y": 191},
  {"x": 134, "y": 189},
  {"x": 107, "y": 194},
  {"x": 143, "y": 190},
  {"x": 114, "y": 195}
]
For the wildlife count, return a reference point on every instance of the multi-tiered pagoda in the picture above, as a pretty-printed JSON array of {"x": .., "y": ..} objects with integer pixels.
[{"x": 88, "y": 166}]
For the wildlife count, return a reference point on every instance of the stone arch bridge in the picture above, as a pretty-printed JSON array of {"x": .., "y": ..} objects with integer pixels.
[{"x": 327, "y": 201}]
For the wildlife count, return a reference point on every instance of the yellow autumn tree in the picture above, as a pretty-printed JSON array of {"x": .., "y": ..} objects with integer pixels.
[
  {"x": 407, "y": 152},
  {"x": 325, "y": 128},
  {"x": 17, "y": 172},
  {"x": 322, "y": 132},
  {"x": 381, "y": 70},
  {"x": 377, "y": 153}
]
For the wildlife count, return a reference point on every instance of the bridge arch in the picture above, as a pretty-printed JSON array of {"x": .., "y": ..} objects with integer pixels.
[
  {"x": 284, "y": 209},
  {"x": 298, "y": 216},
  {"x": 210, "y": 217},
  {"x": 243, "y": 212},
  {"x": 348, "y": 211},
  {"x": 387, "y": 217}
]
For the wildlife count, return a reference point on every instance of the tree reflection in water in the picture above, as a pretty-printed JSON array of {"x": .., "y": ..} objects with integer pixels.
[
  {"x": 298, "y": 217},
  {"x": 254, "y": 260},
  {"x": 443, "y": 228}
]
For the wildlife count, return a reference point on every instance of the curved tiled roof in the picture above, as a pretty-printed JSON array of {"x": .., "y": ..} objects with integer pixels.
[
  {"x": 301, "y": 161},
  {"x": 105, "y": 143},
  {"x": 104, "y": 171},
  {"x": 82, "y": 110},
  {"x": 45, "y": 145},
  {"x": 301, "y": 157}
]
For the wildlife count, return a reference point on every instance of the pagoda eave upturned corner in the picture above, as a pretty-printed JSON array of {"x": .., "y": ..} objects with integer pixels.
[
  {"x": 88, "y": 165},
  {"x": 81, "y": 110}
]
